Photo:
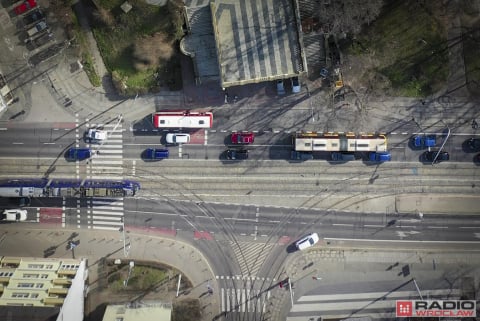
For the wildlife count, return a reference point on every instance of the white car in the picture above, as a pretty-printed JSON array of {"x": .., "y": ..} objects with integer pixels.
[
  {"x": 14, "y": 215},
  {"x": 307, "y": 241},
  {"x": 177, "y": 138},
  {"x": 95, "y": 135}
]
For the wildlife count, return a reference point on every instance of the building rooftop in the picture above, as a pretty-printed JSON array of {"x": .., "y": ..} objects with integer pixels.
[
  {"x": 256, "y": 41},
  {"x": 40, "y": 289},
  {"x": 139, "y": 311}
]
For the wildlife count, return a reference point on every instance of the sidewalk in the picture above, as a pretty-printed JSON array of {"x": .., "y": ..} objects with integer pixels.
[
  {"x": 96, "y": 245},
  {"x": 328, "y": 265}
]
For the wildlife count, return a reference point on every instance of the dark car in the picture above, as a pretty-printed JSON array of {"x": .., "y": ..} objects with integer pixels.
[
  {"x": 79, "y": 153},
  {"x": 473, "y": 144},
  {"x": 476, "y": 159},
  {"x": 343, "y": 157},
  {"x": 19, "y": 201},
  {"x": 424, "y": 141},
  {"x": 430, "y": 156},
  {"x": 152, "y": 153},
  {"x": 379, "y": 157},
  {"x": 33, "y": 17},
  {"x": 45, "y": 38},
  {"x": 301, "y": 156},
  {"x": 237, "y": 154}
]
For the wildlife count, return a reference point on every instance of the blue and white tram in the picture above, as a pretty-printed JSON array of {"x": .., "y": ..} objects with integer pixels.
[{"x": 42, "y": 187}]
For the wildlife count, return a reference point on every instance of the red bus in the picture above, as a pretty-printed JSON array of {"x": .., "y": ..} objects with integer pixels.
[{"x": 182, "y": 119}]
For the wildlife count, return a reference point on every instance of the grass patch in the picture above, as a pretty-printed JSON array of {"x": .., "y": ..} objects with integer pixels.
[
  {"x": 186, "y": 310},
  {"x": 409, "y": 44},
  {"x": 81, "y": 42},
  {"x": 90, "y": 69},
  {"x": 123, "y": 40},
  {"x": 141, "y": 278}
]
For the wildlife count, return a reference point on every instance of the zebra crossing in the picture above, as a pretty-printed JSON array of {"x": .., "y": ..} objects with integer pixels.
[
  {"x": 107, "y": 163},
  {"x": 107, "y": 159},
  {"x": 378, "y": 305},
  {"x": 250, "y": 256},
  {"x": 106, "y": 214},
  {"x": 244, "y": 300}
]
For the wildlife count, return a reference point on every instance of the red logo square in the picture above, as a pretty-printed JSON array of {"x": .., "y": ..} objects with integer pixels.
[{"x": 404, "y": 308}]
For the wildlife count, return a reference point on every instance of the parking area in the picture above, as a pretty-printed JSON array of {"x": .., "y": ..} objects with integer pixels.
[{"x": 27, "y": 30}]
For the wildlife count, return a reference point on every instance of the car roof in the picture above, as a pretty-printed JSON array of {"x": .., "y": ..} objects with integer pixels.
[
  {"x": 14, "y": 211},
  {"x": 80, "y": 149}
]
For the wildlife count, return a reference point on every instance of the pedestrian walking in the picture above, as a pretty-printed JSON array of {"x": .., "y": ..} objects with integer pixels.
[{"x": 209, "y": 289}]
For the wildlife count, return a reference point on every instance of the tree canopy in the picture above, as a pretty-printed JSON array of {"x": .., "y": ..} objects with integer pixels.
[{"x": 347, "y": 16}]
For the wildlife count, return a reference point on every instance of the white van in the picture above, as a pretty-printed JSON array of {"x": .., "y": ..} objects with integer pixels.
[
  {"x": 14, "y": 215},
  {"x": 177, "y": 138}
]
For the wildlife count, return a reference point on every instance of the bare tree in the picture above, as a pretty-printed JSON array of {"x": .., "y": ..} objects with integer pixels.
[
  {"x": 151, "y": 50},
  {"x": 347, "y": 16}
]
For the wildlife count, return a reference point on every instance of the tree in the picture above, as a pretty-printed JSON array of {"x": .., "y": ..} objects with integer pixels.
[{"x": 347, "y": 16}]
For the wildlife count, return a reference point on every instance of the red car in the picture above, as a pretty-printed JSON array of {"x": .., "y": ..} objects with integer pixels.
[
  {"x": 25, "y": 6},
  {"x": 242, "y": 138}
]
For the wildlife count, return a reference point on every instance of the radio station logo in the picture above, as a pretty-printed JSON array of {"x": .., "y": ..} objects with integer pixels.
[{"x": 436, "y": 308}]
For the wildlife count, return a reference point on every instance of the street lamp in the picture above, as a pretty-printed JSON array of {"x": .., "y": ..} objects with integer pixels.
[
  {"x": 418, "y": 289},
  {"x": 441, "y": 147},
  {"x": 125, "y": 248}
]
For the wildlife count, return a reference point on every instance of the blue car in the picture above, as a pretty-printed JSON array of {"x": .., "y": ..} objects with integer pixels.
[
  {"x": 152, "y": 153},
  {"x": 424, "y": 141},
  {"x": 379, "y": 157},
  {"x": 79, "y": 153}
]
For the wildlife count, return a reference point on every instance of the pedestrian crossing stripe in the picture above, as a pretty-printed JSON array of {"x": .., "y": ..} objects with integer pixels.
[
  {"x": 341, "y": 305},
  {"x": 106, "y": 214},
  {"x": 242, "y": 277},
  {"x": 244, "y": 300}
]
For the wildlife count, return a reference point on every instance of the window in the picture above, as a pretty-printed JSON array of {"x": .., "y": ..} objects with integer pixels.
[
  {"x": 39, "y": 285},
  {"x": 35, "y": 266},
  {"x": 34, "y": 295},
  {"x": 30, "y": 276},
  {"x": 19, "y": 295},
  {"x": 49, "y": 266},
  {"x": 44, "y": 276},
  {"x": 201, "y": 122},
  {"x": 25, "y": 285}
]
